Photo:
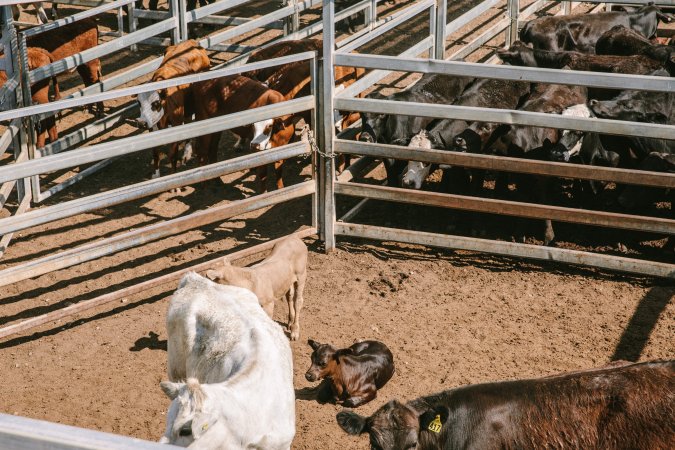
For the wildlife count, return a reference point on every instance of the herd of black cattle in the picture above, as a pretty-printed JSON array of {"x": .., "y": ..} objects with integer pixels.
[{"x": 613, "y": 42}]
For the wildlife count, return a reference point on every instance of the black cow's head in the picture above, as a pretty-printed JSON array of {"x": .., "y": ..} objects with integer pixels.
[
  {"x": 518, "y": 54},
  {"x": 396, "y": 426}
]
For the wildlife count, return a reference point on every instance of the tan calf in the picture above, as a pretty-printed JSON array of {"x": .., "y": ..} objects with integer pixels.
[{"x": 282, "y": 273}]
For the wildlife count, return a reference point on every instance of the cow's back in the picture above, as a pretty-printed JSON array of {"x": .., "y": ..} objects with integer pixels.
[
  {"x": 67, "y": 40},
  {"x": 629, "y": 407},
  {"x": 207, "y": 326},
  {"x": 183, "y": 59}
]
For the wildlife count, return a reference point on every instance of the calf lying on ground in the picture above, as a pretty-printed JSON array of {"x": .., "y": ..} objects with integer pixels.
[
  {"x": 174, "y": 105},
  {"x": 282, "y": 273},
  {"x": 38, "y": 57},
  {"x": 581, "y": 31},
  {"x": 68, "y": 40},
  {"x": 626, "y": 407},
  {"x": 354, "y": 374},
  {"x": 231, "y": 371}
]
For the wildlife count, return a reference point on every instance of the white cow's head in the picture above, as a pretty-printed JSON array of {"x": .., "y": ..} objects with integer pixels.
[
  {"x": 262, "y": 132},
  {"x": 273, "y": 133},
  {"x": 192, "y": 416},
  {"x": 417, "y": 171},
  {"x": 152, "y": 108}
]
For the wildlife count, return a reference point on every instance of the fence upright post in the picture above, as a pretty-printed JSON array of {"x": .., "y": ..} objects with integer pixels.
[
  {"x": 314, "y": 70},
  {"x": 512, "y": 30},
  {"x": 133, "y": 22},
  {"x": 567, "y": 8},
  {"x": 432, "y": 29},
  {"x": 439, "y": 38},
  {"x": 328, "y": 127},
  {"x": 174, "y": 10}
]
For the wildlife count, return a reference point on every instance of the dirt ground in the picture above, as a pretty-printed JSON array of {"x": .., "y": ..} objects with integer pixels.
[{"x": 449, "y": 317}]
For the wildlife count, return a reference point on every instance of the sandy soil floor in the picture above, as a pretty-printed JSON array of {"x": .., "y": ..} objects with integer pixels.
[{"x": 450, "y": 318}]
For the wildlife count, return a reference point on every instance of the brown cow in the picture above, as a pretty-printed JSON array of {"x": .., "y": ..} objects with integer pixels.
[
  {"x": 626, "y": 407},
  {"x": 294, "y": 80},
  {"x": 174, "y": 105},
  {"x": 278, "y": 50},
  {"x": 236, "y": 93},
  {"x": 38, "y": 57},
  {"x": 69, "y": 40},
  {"x": 353, "y": 374}
]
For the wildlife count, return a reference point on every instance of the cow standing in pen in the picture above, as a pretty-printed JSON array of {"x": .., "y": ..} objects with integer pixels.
[
  {"x": 580, "y": 32},
  {"x": 173, "y": 106},
  {"x": 282, "y": 274},
  {"x": 230, "y": 369},
  {"x": 38, "y": 57},
  {"x": 69, "y": 40}
]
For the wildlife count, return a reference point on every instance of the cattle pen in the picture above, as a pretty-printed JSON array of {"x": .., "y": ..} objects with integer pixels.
[{"x": 22, "y": 173}]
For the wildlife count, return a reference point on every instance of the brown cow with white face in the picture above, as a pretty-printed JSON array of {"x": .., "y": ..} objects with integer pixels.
[
  {"x": 232, "y": 94},
  {"x": 174, "y": 105}
]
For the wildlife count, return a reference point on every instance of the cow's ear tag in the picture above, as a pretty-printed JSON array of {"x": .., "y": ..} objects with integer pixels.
[
  {"x": 205, "y": 427},
  {"x": 435, "y": 425}
]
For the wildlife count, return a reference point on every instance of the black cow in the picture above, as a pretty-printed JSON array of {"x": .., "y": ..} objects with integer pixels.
[
  {"x": 522, "y": 141},
  {"x": 397, "y": 130},
  {"x": 623, "y": 41},
  {"x": 581, "y": 31},
  {"x": 485, "y": 93},
  {"x": 626, "y": 407},
  {"x": 641, "y": 106},
  {"x": 520, "y": 54}
]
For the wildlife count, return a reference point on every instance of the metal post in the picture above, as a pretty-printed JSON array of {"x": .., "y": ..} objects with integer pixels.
[
  {"x": 432, "y": 29},
  {"x": 133, "y": 21},
  {"x": 439, "y": 39},
  {"x": 373, "y": 14},
  {"x": 182, "y": 20},
  {"x": 326, "y": 94},
  {"x": 295, "y": 19},
  {"x": 28, "y": 129},
  {"x": 175, "y": 11},
  {"x": 512, "y": 30},
  {"x": 567, "y": 8},
  {"x": 120, "y": 22},
  {"x": 314, "y": 71}
]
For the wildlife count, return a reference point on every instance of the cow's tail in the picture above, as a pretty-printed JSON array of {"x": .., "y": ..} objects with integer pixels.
[{"x": 55, "y": 82}]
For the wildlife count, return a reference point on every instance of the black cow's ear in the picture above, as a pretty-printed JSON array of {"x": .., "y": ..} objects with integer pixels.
[
  {"x": 351, "y": 422},
  {"x": 657, "y": 117},
  {"x": 315, "y": 345},
  {"x": 434, "y": 419},
  {"x": 342, "y": 352}
]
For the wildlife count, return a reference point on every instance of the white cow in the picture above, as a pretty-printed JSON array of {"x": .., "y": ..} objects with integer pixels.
[{"x": 231, "y": 371}]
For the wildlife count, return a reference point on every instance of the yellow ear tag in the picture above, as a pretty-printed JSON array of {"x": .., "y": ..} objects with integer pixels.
[
  {"x": 436, "y": 425},
  {"x": 205, "y": 427}
]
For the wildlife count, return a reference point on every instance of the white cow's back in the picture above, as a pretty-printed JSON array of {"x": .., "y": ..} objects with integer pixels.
[{"x": 222, "y": 337}]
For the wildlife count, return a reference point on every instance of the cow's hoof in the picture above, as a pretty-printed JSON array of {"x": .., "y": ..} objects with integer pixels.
[{"x": 622, "y": 248}]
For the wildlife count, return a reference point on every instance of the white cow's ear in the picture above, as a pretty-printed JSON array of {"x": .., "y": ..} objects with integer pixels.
[
  {"x": 213, "y": 275},
  {"x": 170, "y": 389}
]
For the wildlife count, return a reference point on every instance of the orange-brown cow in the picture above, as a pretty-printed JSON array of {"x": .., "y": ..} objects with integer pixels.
[
  {"x": 38, "y": 57},
  {"x": 231, "y": 94},
  {"x": 175, "y": 105},
  {"x": 68, "y": 40}
]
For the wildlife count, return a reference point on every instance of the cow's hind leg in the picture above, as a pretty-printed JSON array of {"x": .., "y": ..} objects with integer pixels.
[
  {"x": 91, "y": 74},
  {"x": 279, "y": 172},
  {"x": 298, "y": 300}
]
